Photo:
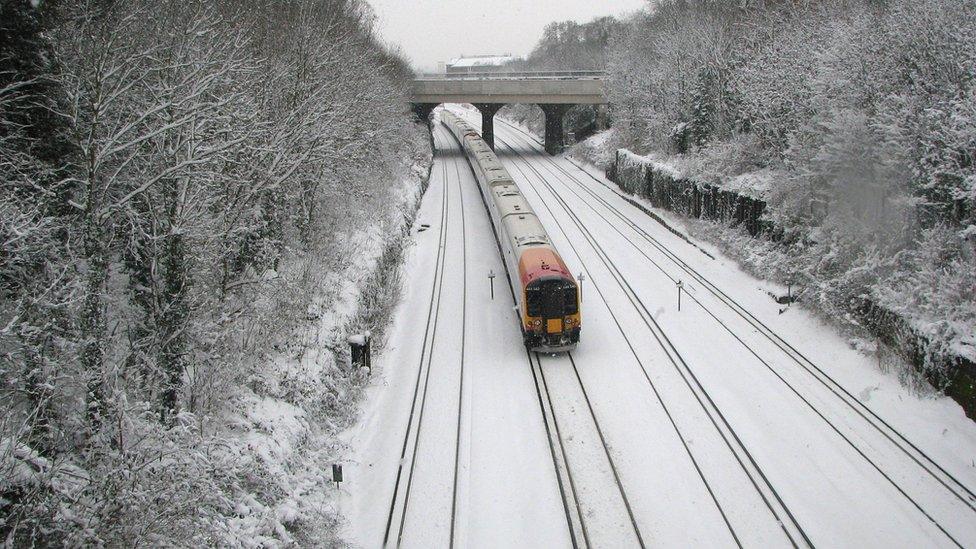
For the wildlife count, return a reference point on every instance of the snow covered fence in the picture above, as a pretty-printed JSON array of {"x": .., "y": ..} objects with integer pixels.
[{"x": 665, "y": 189}]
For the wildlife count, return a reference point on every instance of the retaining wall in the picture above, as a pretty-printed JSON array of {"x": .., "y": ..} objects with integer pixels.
[
  {"x": 637, "y": 175},
  {"x": 894, "y": 331}
]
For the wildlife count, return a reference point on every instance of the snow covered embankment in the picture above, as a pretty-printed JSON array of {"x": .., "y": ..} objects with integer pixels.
[
  {"x": 739, "y": 202},
  {"x": 289, "y": 418}
]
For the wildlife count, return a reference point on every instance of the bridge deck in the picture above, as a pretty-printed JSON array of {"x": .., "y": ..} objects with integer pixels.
[{"x": 545, "y": 87}]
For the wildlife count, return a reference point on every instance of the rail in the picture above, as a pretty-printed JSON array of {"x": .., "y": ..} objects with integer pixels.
[{"x": 516, "y": 75}]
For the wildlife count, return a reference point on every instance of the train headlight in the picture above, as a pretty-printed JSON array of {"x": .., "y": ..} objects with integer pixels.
[
  {"x": 569, "y": 321},
  {"x": 537, "y": 322}
]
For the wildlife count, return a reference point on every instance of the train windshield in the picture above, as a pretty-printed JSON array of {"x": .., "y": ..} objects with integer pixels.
[{"x": 551, "y": 298}]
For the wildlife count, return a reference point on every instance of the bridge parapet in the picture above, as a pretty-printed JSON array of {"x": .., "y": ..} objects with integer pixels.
[{"x": 517, "y": 75}]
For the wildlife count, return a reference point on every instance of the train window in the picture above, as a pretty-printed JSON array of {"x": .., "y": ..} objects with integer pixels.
[
  {"x": 552, "y": 302},
  {"x": 551, "y": 299},
  {"x": 533, "y": 301},
  {"x": 570, "y": 305}
]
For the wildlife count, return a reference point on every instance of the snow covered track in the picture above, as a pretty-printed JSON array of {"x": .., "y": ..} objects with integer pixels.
[
  {"x": 574, "y": 513},
  {"x": 460, "y": 419},
  {"x": 893, "y": 435},
  {"x": 423, "y": 375},
  {"x": 609, "y": 514},
  {"x": 943, "y": 500},
  {"x": 725, "y": 424},
  {"x": 755, "y": 475}
]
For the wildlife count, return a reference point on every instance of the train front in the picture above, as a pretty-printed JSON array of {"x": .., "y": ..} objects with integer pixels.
[{"x": 550, "y": 308}]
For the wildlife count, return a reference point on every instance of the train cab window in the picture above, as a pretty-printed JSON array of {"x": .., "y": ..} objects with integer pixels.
[
  {"x": 533, "y": 300},
  {"x": 551, "y": 299},
  {"x": 570, "y": 305}
]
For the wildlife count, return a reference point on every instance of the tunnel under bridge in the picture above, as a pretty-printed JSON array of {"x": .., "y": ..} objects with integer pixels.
[{"x": 555, "y": 92}]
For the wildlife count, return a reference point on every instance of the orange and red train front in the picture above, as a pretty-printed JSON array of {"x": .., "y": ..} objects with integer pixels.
[{"x": 550, "y": 301}]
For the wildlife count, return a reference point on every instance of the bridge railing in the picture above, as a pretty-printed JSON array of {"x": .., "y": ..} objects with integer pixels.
[{"x": 517, "y": 75}]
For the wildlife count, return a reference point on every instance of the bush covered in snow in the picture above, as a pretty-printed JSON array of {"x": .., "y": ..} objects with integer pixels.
[
  {"x": 865, "y": 115},
  {"x": 194, "y": 197}
]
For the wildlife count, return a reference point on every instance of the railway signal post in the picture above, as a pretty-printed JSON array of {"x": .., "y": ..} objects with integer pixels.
[
  {"x": 581, "y": 277},
  {"x": 359, "y": 351},
  {"x": 337, "y": 474},
  {"x": 680, "y": 285},
  {"x": 491, "y": 282}
]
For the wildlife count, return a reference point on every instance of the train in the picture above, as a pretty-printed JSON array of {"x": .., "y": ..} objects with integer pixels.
[{"x": 547, "y": 295}]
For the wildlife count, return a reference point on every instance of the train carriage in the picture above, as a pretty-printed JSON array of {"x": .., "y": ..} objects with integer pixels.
[{"x": 546, "y": 293}]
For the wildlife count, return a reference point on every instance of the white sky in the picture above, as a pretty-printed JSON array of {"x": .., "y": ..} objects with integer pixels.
[{"x": 429, "y": 31}]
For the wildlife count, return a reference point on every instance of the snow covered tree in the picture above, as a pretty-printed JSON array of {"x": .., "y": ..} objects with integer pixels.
[
  {"x": 864, "y": 111},
  {"x": 176, "y": 181}
]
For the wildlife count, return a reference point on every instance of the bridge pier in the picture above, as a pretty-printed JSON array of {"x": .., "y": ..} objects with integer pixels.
[
  {"x": 488, "y": 111},
  {"x": 555, "y": 139},
  {"x": 601, "y": 118}
]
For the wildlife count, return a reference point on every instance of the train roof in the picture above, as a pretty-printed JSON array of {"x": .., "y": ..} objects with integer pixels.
[
  {"x": 500, "y": 179},
  {"x": 477, "y": 144},
  {"x": 496, "y": 174},
  {"x": 510, "y": 201},
  {"x": 525, "y": 230}
]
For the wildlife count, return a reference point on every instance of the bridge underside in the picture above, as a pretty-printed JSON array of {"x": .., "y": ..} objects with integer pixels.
[
  {"x": 554, "y": 96},
  {"x": 554, "y": 139},
  {"x": 506, "y": 99}
]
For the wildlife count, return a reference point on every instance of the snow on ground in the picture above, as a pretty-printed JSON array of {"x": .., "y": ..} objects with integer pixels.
[
  {"x": 755, "y": 184},
  {"x": 734, "y": 396},
  {"x": 715, "y": 435},
  {"x": 276, "y": 423},
  {"x": 506, "y": 493}
]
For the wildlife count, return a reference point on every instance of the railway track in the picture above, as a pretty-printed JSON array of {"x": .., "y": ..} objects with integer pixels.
[
  {"x": 873, "y": 420},
  {"x": 460, "y": 399},
  {"x": 567, "y": 453},
  {"x": 770, "y": 497},
  {"x": 927, "y": 464},
  {"x": 592, "y": 524},
  {"x": 565, "y": 482},
  {"x": 892, "y": 435},
  {"x": 560, "y": 462},
  {"x": 403, "y": 483}
]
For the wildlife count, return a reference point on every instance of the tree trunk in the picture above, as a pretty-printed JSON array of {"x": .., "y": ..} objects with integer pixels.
[
  {"x": 175, "y": 313},
  {"x": 93, "y": 320},
  {"x": 139, "y": 258}
]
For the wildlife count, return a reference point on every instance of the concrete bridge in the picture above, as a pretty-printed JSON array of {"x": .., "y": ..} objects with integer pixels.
[{"x": 554, "y": 91}]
